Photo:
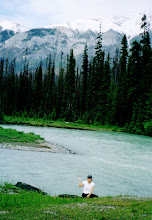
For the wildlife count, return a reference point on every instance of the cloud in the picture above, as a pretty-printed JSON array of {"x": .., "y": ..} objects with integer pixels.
[{"x": 36, "y": 13}]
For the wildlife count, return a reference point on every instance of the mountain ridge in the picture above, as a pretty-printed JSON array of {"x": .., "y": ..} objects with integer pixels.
[
  {"x": 36, "y": 44},
  {"x": 117, "y": 23},
  {"x": 12, "y": 26}
]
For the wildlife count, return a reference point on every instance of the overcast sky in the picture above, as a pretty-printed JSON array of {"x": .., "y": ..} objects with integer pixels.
[{"x": 36, "y": 13}]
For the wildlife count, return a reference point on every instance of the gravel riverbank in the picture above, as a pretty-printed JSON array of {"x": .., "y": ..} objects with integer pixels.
[{"x": 37, "y": 147}]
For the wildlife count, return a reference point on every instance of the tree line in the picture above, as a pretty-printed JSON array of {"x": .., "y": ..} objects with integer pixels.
[{"x": 104, "y": 91}]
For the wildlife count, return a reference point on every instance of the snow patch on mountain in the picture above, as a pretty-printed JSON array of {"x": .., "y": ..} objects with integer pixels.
[
  {"x": 16, "y": 28},
  {"x": 131, "y": 26},
  {"x": 93, "y": 24}
]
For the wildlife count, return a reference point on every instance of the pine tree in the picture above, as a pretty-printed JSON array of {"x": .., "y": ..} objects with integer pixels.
[
  {"x": 9, "y": 89},
  {"x": 69, "y": 92},
  {"x": 115, "y": 68},
  {"x": 134, "y": 78},
  {"x": 106, "y": 86},
  {"x": 146, "y": 54},
  {"x": 114, "y": 86},
  {"x": 53, "y": 91},
  {"x": 122, "y": 88},
  {"x": 50, "y": 89},
  {"x": 26, "y": 86},
  {"x": 98, "y": 67},
  {"x": 1, "y": 82},
  {"x": 47, "y": 88},
  {"x": 29, "y": 91},
  {"x": 1, "y": 89},
  {"x": 60, "y": 90},
  {"x": 146, "y": 80},
  {"x": 84, "y": 83},
  {"x": 91, "y": 93},
  {"x": 37, "y": 90},
  {"x": 78, "y": 92}
]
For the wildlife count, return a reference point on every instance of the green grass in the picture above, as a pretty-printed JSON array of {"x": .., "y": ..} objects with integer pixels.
[
  {"x": 31, "y": 205},
  {"x": 11, "y": 136},
  {"x": 58, "y": 124}
]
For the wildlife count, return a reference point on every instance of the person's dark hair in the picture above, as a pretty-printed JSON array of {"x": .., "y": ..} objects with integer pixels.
[{"x": 89, "y": 176}]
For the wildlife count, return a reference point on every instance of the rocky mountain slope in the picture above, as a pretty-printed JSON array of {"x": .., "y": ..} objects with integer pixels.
[
  {"x": 9, "y": 29},
  {"x": 36, "y": 44}
]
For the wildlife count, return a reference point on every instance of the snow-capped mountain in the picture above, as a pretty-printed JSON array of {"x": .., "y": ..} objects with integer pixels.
[
  {"x": 37, "y": 44},
  {"x": 131, "y": 26},
  {"x": 8, "y": 25},
  {"x": 93, "y": 24},
  {"x": 8, "y": 29}
]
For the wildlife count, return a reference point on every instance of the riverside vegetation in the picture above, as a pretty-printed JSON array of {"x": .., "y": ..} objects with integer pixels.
[
  {"x": 16, "y": 203},
  {"x": 13, "y": 136},
  {"x": 25, "y": 120},
  {"x": 104, "y": 91}
]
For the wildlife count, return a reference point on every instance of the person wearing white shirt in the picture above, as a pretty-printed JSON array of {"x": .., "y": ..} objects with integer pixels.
[{"x": 88, "y": 187}]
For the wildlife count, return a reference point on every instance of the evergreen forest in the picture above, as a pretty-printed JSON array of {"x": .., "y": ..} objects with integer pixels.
[{"x": 103, "y": 91}]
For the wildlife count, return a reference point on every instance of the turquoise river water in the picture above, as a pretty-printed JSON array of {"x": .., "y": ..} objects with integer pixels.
[{"x": 120, "y": 163}]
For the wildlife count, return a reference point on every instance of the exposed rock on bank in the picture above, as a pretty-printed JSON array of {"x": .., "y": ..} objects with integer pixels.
[{"x": 29, "y": 188}]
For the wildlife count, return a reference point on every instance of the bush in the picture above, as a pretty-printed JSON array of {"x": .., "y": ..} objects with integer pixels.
[{"x": 148, "y": 128}]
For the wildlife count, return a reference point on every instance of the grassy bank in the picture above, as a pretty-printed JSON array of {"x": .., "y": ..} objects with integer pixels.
[
  {"x": 58, "y": 124},
  {"x": 12, "y": 136},
  {"x": 19, "y": 204}
]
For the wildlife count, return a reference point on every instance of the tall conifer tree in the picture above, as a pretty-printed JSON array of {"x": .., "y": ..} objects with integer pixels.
[
  {"x": 84, "y": 86},
  {"x": 122, "y": 88},
  {"x": 98, "y": 63},
  {"x": 69, "y": 93}
]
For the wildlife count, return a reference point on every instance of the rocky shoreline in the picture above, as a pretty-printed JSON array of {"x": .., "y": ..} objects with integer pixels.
[{"x": 37, "y": 147}]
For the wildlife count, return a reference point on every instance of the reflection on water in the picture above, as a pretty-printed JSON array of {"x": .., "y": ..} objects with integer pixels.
[{"x": 120, "y": 163}]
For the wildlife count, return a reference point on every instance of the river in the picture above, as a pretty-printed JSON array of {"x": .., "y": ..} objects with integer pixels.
[{"x": 120, "y": 163}]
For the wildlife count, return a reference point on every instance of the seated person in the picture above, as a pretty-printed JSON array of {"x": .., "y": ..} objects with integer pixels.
[{"x": 88, "y": 187}]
